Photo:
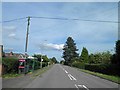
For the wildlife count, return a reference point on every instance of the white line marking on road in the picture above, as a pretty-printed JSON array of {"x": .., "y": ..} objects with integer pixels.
[
  {"x": 66, "y": 71},
  {"x": 80, "y": 85},
  {"x": 76, "y": 86},
  {"x": 83, "y": 86},
  {"x": 69, "y": 76},
  {"x": 62, "y": 68},
  {"x": 73, "y": 77}
]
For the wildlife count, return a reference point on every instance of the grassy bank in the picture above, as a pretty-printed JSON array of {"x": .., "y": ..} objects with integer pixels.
[{"x": 115, "y": 79}]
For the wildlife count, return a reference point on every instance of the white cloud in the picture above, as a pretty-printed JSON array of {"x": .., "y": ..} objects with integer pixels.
[
  {"x": 9, "y": 28},
  {"x": 55, "y": 46},
  {"x": 12, "y": 35},
  {"x": 51, "y": 46}
]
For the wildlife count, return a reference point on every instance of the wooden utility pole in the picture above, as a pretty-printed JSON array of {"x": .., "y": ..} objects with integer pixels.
[
  {"x": 1, "y": 52},
  {"x": 26, "y": 45}
]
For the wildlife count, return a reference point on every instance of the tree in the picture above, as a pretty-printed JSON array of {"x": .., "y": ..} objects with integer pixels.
[
  {"x": 69, "y": 51},
  {"x": 45, "y": 58},
  {"x": 84, "y": 55},
  {"x": 38, "y": 56},
  {"x": 62, "y": 62},
  {"x": 91, "y": 59},
  {"x": 113, "y": 59},
  {"x": 106, "y": 57},
  {"x": 118, "y": 51},
  {"x": 100, "y": 58},
  {"x": 54, "y": 60}
]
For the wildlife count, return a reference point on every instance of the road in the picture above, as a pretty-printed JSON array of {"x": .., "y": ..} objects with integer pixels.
[{"x": 60, "y": 76}]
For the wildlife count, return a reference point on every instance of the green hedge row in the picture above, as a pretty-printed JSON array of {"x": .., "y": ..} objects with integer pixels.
[
  {"x": 110, "y": 69},
  {"x": 78, "y": 65},
  {"x": 44, "y": 64},
  {"x": 10, "y": 65}
]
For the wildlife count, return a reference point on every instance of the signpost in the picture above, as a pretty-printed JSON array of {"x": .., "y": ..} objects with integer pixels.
[{"x": 41, "y": 61}]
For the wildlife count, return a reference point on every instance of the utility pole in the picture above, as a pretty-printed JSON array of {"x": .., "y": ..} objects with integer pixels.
[
  {"x": 26, "y": 45},
  {"x": 1, "y": 53}
]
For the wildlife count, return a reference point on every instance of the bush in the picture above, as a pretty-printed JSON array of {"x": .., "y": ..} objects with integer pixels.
[
  {"x": 78, "y": 65},
  {"x": 44, "y": 64},
  {"x": 37, "y": 65},
  {"x": 10, "y": 65},
  {"x": 110, "y": 69}
]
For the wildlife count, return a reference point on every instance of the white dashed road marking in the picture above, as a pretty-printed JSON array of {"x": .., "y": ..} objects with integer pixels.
[
  {"x": 66, "y": 71},
  {"x": 69, "y": 76},
  {"x": 81, "y": 86},
  {"x": 85, "y": 87},
  {"x": 76, "y": 86},
  {"x": 73, "y": 78}
]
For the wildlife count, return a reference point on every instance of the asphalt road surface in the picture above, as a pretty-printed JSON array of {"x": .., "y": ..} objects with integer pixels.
[{"x": 60, "y": 76}]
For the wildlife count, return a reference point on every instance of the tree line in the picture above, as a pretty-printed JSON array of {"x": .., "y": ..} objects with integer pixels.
[
  {"x": 100, "y": 59},
  {"x": 45, "y": 61}
]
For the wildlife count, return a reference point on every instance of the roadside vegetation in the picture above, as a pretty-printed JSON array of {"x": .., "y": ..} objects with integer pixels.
[
  {"x": 112, "y": 78},
  {"x": 40, "y": 71},
  {"x": 104, "y": 64},
  {"x": 11, "y": 64}
]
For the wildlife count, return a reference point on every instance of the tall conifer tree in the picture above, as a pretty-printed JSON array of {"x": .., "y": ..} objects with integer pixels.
[{"x": 70, "y": 51}]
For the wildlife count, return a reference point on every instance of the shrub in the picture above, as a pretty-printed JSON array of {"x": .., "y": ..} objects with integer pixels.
[
  {"x": 110, "y": 69},
  {"x": 44, "y": 64},
  {"x": 78, "y": 65},
  {"x": 10, "y": 65},
  {"x": 37, "y": 65}
]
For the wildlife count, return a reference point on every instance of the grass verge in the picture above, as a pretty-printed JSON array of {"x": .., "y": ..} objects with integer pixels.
[
  {"x": 112, "y": 78},
  {"x": 11, "y": 75},
  {"x": 40, "y": 71}
]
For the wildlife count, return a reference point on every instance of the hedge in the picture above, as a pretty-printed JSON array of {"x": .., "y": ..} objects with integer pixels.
[
  {"x": 10, "y": 65},
  {"x": 110, "y": 69},
  {"x": 44, "y": 64},
  {"x": 78, "y": 65}
]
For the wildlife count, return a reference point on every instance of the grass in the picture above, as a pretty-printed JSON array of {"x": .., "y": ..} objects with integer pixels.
[
  {"x": 11, "y": 75},
  {"x": 40, "y": 71},
  {"x": 112, "y": 78}
]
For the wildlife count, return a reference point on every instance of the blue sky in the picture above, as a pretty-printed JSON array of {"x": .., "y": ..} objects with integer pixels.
[{"x": 51, "y": 34}]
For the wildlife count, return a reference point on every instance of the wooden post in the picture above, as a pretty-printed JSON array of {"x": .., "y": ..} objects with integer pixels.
[{"x": 1, "y": 51}]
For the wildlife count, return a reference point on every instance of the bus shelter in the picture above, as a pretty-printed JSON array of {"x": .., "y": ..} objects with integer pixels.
[{"x": 28, "y": 65}]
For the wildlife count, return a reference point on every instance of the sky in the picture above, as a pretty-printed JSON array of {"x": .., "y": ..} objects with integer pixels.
[{"x": 48, "y": 36}]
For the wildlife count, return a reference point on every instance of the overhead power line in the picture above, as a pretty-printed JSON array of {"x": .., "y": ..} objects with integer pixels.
[
  {"x": 13, "y": 20},
  {"x": 77, "y": 19},
  {"x": 73, "y": 19}
]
